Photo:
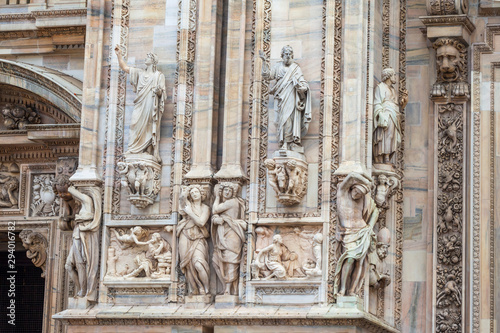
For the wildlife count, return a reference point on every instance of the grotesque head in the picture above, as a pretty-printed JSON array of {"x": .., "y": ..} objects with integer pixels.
[
  {"x": 287, "y": 55},
  {"x": 382, "y": 179},
  {"x": 450, "y": 58},
  {"x": 61, "y": 185}
]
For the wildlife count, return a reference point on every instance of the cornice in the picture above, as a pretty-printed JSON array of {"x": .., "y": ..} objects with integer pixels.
[
  {"x": 43, "y": 13},
  {"x": 444, "y": 20}
]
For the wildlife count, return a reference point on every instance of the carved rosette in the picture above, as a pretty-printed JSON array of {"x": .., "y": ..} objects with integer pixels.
[
  {"x": 287, "y": 176},
  {"x": 36, "y": 248},
  {"x": 449, "y": 228},
  {"x": 141, "y": 176},
  {"x": 451, "y": 63}
]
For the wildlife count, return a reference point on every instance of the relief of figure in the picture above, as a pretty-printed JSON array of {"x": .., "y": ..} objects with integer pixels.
[
  {"x": 8, "y": 191},
  {"x": 292, "y": 99},
  {"x": 155, "y": 260},
  {"x": 193, "y": 233},
  {"x": 36, "y": 248},
  {"x": 386, "y": 118},
  {"x": 379, "y": 278},
  {"x": 275, "y": 261},
  {"x": 314, "y": 268},
  {"x": 384, "y": 187},
  {"x": 228, "y": 234},
  {"x": 357, "y": 216},
  {"x": 136, "y": 237},
  {"x": 287, "y": 176},
  {"x": 149, "y": 84},
  {"x": 83, "y": 258}
]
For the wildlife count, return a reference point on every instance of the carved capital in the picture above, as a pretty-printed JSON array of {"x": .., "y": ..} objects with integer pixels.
[
  {"x": 36, "y": 248},
  {"x": 287, "y": 176},
  {"x": 142, "y": 179}
]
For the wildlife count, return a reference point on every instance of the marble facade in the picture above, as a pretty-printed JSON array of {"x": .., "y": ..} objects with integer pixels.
[{"x": 226, "y": 221}]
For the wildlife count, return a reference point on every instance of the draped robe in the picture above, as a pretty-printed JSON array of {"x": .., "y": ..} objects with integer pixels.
[
  {"x": 148, "y": 109},
  {"x": 387, "y": 130},
  {"x": 293, "y": 113}
]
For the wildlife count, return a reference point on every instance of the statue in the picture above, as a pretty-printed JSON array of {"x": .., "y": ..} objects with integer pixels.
[
  {"x": 275, "y": 261},
  {"x": 293, "y": 99},
  {"x": 379, "y": 279},
  {"x": 357, "y": 216},
  {"x": 228, "y": 235},
  {"x": 193, "y": 233},
  {"x": 83, "y": 258},
  {"x": 149, "y": 84},
  {"x": 8, "y": 191},
  {"x": 141, "y": 171},
  {"x": 386, "y": 122},
  {"x": 384, "y": 188}
]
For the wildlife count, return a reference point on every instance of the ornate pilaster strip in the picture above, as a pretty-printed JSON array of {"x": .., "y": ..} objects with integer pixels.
[
  {"x": 386, "y": 13},
  {"x": 399, "y": 168},
  {"x": 337, "y": 65}
]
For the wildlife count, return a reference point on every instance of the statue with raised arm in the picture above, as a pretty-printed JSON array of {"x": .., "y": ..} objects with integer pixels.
[
  {"x": 149, "y": 84},
  {"x": 192, "y": 232},
  {"x": 386, "y": 118},
  {"x": 292, "y": 99},
  {"x": 82, "y": 262},
  {"x": 228, "y": 235},
  {"x": 357, "y": 215}
]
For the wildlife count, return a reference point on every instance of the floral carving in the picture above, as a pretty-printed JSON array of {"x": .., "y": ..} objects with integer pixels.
[
  {"x": 18, "y": 116},
  {"x": 43, "y": 201}
]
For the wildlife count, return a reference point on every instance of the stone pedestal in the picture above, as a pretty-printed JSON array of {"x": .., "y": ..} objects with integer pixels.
[
  {"x": 350, "y": 302},
  {"x": 226, "y": 301},
  {"x": 287, "y": 175},
  {"x": 141, "y": 175},
  {"x": 77, "y": 303},
  {"x": 198, "y": 301}
]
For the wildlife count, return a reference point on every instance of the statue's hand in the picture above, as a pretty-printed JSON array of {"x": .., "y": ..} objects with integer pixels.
[{"x": 117, "y": 50}]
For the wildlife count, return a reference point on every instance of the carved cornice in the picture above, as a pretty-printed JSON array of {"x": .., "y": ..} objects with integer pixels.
[
  {"x": 463, "y": 20},
  {"x": 43, "y": 13},
  {"x": 44, "y": 32}
]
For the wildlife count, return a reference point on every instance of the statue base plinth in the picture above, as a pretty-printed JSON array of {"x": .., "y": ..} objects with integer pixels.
[
  {"x": 78, "y": 303},
  {"x": 387, "y": 169},
  {"x": 349, "y": 302},
  {"x": 197, "y": 301},
  {"x": 226, "y": 301},
  {"x": 288, "y": 176},
  {"x": 141, "y": 175}
]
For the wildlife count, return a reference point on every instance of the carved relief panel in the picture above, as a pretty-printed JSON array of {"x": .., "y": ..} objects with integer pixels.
[
  {"x": 44, "y": 199},
  {"x": 9, "y": 186}
]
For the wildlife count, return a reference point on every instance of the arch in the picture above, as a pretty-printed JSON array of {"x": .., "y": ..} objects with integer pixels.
[{"x": 62, "y": 90}]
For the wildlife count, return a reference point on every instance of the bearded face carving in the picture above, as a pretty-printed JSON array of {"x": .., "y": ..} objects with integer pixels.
[{"x": 451, "y": 63}]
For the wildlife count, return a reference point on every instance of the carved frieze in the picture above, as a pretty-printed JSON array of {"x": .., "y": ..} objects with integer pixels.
[
  {"x": 36, "y": 248},
  {"x": 144, "y": 254},
  {"x": 44, "y": 201},
  {"x": 287, "y": 253}
]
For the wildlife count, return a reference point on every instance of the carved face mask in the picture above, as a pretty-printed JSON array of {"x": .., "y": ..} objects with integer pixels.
[{"x": 448, "y": 59}]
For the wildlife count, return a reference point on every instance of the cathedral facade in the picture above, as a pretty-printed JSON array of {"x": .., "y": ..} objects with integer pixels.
[{"x": 250, "y": 166}]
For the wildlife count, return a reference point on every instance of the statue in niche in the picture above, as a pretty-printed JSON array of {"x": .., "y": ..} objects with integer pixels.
[
  {"x": 228, "y": 234},
  {"x": 313, "y": 269},
  {"x": 386, "y": 118},
  {"x": 378, "y": 278},
  {"x": 274, "y": 261},
  {"x": 451, "y": 61},
  {"x": 357, "y": 216},
  {"x": 83, "y": 258},
  {"x": 142, "y": 167},
  {"x": 9, "y": 186},
  {"x": 293, "y": 99},
  {"x": 192, "y": 232},
  {"x": 36, "y": 248}
]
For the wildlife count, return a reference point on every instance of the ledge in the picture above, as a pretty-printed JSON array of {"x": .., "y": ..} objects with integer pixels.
[{"x": 330, "y": 315}]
